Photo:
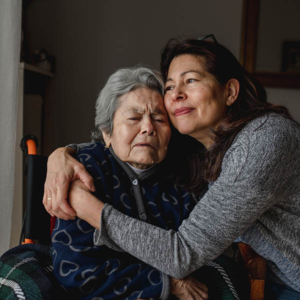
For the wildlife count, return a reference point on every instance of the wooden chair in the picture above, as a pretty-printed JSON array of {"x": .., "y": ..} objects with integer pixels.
[{"x": 256, "y": 268}]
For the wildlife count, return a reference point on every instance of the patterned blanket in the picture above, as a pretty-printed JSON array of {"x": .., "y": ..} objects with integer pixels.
[{"x": 26, "y": 272}]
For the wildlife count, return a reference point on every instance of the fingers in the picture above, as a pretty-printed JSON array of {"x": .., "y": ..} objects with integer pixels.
[
  {"x": 82, "y": 174},
  {"x": 62, "y": 203},
  {"x": 201, "y": 291},
  {"x": 53, "y": 209},
  {"x": 189, "y": 289},
  {"x": 47, "y": 203},
  {"x": 55, "y": 199}
]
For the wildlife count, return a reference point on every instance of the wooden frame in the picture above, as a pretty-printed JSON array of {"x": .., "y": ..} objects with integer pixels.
[
  {"x": 257, "y": 268},
  {"x": 248, "y": 51}
]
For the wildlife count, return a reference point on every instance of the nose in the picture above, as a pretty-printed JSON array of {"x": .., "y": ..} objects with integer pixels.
[
  {"x": 147, "y": 127},
  {"x": 178, "y": 93}
]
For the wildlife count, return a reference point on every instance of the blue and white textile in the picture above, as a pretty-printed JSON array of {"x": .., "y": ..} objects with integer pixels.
[{"x": 97, "y": 272}]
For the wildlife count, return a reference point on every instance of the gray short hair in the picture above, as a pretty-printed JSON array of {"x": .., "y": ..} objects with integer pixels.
[{"x": 121, "y": 82}]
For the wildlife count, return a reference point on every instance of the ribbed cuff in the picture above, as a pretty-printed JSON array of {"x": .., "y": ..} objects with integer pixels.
[
  {"x": 101, "y": 236},
  {"x": 165, "y": 292}
]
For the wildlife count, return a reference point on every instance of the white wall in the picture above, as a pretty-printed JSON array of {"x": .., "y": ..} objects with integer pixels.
[{"x": 91, "y": 39}]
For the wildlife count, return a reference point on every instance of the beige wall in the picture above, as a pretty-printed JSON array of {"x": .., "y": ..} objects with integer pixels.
[{"x": 91, "y": 39}]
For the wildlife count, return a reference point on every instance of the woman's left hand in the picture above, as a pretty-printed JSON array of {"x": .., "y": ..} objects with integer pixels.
[{"x": 86, "y": 205}]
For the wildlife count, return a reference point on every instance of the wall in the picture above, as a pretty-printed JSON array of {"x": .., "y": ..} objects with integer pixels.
[
  {"x": 91, "y": 39},
  {"x": 287, "y": 97},
  {"x": 278, "y": 22}
]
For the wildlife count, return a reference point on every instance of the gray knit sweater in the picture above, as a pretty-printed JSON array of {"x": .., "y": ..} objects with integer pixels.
[{"x": 256, "y": 199}]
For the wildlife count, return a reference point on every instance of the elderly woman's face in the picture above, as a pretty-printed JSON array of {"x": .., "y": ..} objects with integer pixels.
[{"x": 141, "y": 130}]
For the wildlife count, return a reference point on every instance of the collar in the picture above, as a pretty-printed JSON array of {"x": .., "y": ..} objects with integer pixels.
[{"x": 130, "y": 172}]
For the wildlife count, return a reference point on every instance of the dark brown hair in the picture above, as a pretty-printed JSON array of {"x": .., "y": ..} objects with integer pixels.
[{"x": 198, "y": 165}]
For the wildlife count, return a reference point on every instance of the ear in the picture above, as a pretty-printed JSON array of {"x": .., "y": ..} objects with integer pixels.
[
  {"x": 106, "y": 138},
  {"x": 233, "y": 89}
]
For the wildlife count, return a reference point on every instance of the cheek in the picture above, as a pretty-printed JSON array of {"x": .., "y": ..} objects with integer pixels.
[
  {"x": 125, "y": 135},
  {"x": 167, "y": 104}
]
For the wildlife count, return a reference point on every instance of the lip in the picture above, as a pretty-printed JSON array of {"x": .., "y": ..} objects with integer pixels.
[
  {"x": 145, "y": 145},
  {"x": 182, "y": 111}
]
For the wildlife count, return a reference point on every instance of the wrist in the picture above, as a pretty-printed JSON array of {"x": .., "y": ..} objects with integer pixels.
[
  {"x": 176, "y": 286},
  {"x": 93, "y": 213}
]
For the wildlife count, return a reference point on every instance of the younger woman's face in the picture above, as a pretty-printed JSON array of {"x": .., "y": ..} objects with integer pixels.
[{"x": 194, "y": 99}]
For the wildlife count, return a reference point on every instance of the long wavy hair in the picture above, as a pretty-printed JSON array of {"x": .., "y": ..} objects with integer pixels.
[{"x": 198, "y": 165}]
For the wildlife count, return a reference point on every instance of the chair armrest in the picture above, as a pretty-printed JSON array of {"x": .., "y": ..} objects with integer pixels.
[{"x": 254, "y": 263}]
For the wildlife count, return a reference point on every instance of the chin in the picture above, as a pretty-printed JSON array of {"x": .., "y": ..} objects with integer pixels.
[
  {"x": 145, "y": 162},
  {"x": 185, "y": 130}
]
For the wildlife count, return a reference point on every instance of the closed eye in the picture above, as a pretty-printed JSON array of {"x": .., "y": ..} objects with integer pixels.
[
  {"x": 169, "y": 88},
  {"x": 134, "y": 119}
]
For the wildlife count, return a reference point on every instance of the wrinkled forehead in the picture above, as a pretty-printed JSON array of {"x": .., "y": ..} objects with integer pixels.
[{"x": 143, "y": 100}]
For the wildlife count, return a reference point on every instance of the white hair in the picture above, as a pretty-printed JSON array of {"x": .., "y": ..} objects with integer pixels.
[{"x": 121, "y": 82}]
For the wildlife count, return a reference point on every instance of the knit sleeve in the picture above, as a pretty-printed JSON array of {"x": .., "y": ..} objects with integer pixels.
[{"x": 257, "y": 172}]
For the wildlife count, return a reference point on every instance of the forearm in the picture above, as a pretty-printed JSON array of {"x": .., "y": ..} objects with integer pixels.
[
  {"x": 168, "y": 251},
  {"x": 85, "y": 204}
]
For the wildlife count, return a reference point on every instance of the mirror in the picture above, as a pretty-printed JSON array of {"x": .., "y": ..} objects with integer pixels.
[{"x": 271, "y": 42}]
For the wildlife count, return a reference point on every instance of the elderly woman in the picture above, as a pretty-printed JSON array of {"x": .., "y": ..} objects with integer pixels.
[
  {"x": 251, "y": 162},
  {"x": 134, "y": 132}
]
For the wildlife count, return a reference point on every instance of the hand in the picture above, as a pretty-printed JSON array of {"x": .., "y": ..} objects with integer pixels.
[
  {"x": 188, "y": 289},
  {"x": 62, "y": 169},
  {"x": 86, "y": 205}
]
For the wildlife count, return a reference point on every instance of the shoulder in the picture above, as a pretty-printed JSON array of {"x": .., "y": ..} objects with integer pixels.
[
  {"x": 269, "y": 130},
  {"x": 267, "y": 143},
  {"x": 93, "y": 151},
  {"x": 91, "y": 147},
  {"x": 272, "y": 123}
]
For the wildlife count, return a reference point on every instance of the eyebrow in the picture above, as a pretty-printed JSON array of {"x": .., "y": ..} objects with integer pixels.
[
  {"x": 156, "y": 111},
  {"x": 186, "y": 72}
]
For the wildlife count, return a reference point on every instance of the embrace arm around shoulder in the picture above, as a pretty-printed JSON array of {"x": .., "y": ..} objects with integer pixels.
[{"x": 248, "y": 186}]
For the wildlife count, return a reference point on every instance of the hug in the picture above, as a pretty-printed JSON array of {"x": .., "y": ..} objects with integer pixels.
[{"x": 151, "y": 208}]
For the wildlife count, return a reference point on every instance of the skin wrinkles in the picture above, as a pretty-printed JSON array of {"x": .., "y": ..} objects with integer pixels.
[{"x": 141, "y": 130}]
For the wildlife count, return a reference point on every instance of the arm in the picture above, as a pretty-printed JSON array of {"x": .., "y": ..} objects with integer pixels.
[
  {"x": 250, "y": 183},
  {"x": 62, "y": 169}
]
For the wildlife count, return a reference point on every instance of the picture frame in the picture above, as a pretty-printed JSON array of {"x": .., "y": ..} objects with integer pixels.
[{"x": 291, "y": 56}]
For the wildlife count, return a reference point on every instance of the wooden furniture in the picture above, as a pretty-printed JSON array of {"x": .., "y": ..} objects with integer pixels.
[
  {"x": 256, "y": 268},
  {"x": 250, "y": 30}
]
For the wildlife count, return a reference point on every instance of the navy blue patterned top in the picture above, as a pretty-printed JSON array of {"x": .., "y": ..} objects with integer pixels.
[{"x": 97, "y": 272}]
